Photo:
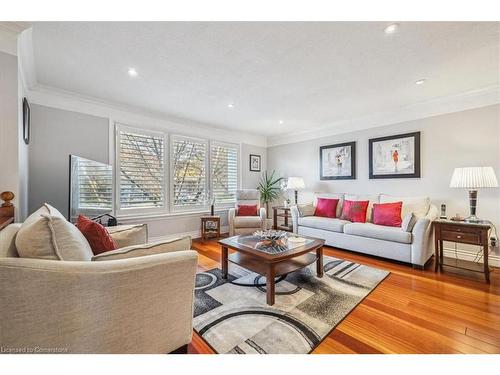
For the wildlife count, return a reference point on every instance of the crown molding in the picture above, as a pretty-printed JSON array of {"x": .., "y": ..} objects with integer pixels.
[
  {"x": 26, "y": 57},
  {"x": 454, "y": 103},
  {"x": 56, "y": 98},
  {"x": 9, "y": 32}
]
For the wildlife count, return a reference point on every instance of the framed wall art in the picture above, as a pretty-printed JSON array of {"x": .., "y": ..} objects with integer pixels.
[
  {"x": 396, "y": 156},
  {"x": 254, "y": 163},
  {"x": 338, "y": 162}
]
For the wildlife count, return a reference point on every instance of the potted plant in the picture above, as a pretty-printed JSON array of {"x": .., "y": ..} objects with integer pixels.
[{"x": 269, "y": 188}]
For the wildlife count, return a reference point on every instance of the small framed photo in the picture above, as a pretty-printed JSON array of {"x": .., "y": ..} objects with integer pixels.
[
  {"x": 254, "y": 163},
  {"x": 396, "y": 156},
  {"x": 338, "y": 162}
]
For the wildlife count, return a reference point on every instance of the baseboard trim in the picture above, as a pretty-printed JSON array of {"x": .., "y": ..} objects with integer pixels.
[{"x": 493, "y": 260}]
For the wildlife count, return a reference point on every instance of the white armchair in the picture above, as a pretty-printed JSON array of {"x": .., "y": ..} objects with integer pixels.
[
  {"x": 136, "y": 299},
  {"x": 246, "y": 224}
]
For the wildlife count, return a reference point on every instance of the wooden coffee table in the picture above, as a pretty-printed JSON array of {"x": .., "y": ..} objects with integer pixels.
[{"x": 294, "y": 257}]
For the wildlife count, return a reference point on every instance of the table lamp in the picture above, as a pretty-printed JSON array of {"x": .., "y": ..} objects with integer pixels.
[
  {"x": 295, "y": 183},
  {"x": 472, "y": 178}
]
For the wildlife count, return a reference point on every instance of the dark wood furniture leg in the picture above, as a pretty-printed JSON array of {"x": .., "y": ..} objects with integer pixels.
[
  {"x": 486, "y": 249},
  {"x": 319, "y": 262},
  {"x": 182, "y": 350},
  {"x": 270, "y": 287},
  {"x": 224, "y": 262},
  {"x": 441, "y": 255},
  {"x": 436, "y": 252}
]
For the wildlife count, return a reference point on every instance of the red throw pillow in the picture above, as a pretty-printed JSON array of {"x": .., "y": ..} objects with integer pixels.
[
  {"x": 99, "y": 239},
  {"x": 388, "y": 214},
  {"x": 246, "y": 210},
  {"x": 355, "y": 211},
  {"x": 326, "y": 207}
]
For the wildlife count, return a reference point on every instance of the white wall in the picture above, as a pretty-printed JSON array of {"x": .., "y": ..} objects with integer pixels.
[
  {"x": 250, "y": 180},
  {"x": 9, "y": 141},
  {"x": 467, "y": 138}
]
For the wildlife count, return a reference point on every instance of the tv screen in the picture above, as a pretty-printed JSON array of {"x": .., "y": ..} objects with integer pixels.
[{"x": 91, "y": 188}]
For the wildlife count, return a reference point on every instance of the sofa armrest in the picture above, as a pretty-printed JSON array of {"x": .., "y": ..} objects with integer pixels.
[
  {"x": 421, "y": 247},
  {"x": 263, "y": 218},
  {"x": 160, "y": 247},
  {"x": 231, "y": 213},
  {"x": 294, "y": 211},
  {"x": 138, "y": 305},
  {"x": 128, "y": 235}
]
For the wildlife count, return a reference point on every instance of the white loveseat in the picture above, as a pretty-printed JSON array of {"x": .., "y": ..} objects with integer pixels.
[{"x": 410, "y": 246}]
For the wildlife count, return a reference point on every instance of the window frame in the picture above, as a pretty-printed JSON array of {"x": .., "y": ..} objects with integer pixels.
[
  {"x": 123, "y": 212},
  {"x": 237, "y": 147},
  {"x": 192, "y": 208},
  {"x": 168, "y": 208}
]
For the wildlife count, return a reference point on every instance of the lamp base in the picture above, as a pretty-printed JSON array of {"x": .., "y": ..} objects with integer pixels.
[{"x": 472, "y": 219}]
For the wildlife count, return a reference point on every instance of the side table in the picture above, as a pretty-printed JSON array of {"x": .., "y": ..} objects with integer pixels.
[
  {"x": 284, "y": 212},
  {"x": 210, "y": 227},
  {"x": 464, "y": 233}
]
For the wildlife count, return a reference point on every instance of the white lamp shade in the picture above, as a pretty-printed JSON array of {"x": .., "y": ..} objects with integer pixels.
[
  {"x": 473, "y": 178},
  {"x": 295, "y": 183}
]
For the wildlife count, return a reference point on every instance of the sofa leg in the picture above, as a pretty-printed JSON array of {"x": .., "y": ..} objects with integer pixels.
[
  {"x": 182, "y": 350},
  {"x": 417, "y": 267}
]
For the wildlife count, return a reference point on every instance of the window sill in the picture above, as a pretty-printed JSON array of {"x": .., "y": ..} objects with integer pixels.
[{"x": 151, "y": 217}]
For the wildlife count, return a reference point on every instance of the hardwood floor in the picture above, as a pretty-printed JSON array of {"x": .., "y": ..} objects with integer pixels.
[{"x": 411, "y": 311}]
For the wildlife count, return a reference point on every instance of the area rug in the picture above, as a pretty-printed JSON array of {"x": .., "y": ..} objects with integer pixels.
[{"x": 236, "y": 319}]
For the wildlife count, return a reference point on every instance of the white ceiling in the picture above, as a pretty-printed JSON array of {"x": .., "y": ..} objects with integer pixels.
[{"x": 309, "y": 75}]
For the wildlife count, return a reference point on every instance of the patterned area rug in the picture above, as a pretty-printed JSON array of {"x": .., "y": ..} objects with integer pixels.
[{"x": 236, "y": 319}]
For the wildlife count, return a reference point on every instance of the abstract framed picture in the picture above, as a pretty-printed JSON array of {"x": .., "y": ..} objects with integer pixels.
[
  {"x": 337, "y": 162},
  {"x": 396, "y": 156},
  {"x": 254, "y": 163}
]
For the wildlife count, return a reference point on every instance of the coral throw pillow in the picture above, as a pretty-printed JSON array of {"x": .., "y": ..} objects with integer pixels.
[
  {"x": 388, "y": 214},
  {"x": 326, "y": 207},
  {"x": 355, "y": 211},
  {"x": 98, "y": 237},
  {"x": 246, "y": 210}
]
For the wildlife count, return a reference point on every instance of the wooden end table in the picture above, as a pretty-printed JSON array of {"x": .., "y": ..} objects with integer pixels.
[
  {"x": 285, "y": 213},
  {"x": 210, "y": 227},
  {"x": 247, "y": 255},
  {"x": 465, "y": 233}
]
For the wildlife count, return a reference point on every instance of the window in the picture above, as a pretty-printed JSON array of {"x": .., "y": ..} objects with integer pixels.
[
  {"x": 194, "y": 167},
  {"x": 224, "y": 172},
  {"x": 188, "y": 172},
  {"x": 141, "y": 166},
  {"x": 91, "y": 192}
]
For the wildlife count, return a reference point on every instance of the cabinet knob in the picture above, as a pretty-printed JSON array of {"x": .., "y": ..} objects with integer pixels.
[{"x": 459, "y": 236}]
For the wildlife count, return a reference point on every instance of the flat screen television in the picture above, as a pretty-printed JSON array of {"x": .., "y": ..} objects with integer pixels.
[{"x": 90, "y": 188}]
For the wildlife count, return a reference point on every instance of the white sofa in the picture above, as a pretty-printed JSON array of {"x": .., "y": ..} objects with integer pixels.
[{"x": 413, "y": 246}]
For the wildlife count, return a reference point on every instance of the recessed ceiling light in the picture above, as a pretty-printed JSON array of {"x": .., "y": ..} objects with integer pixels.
[
  {"x": 392, "y": 28},
  {"x": 132, "y": 72},
  {"x": 230, "y": 105},
  {"x": 281, "y": 122},
  {"x": 420, "y": 81}
]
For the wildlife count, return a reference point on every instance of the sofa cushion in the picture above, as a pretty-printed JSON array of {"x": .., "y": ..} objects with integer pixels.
[
  {"x": 46, "y": 234},
  {"x": 355, "y": 211},
  {"x": 370, "y": 198},
  {"x": 339, "y": 196},
  {"x": 246, "y": 210},
  {"x": 326, "y": 207},
  {"x": 418, "y": 205},
  {"x": 247, "y": 222},
  {"x": 380, "y": 232},
  {"x": 134, "y": 251},
  {"x": 128, "y": 235},
  {"x": 98, "y": 237},
  {"x": 306, "y": 209},
  {"x": 333, "y": 225},
  {"x": 388, "y": 214},
  {"x": 408, "y": 222}
]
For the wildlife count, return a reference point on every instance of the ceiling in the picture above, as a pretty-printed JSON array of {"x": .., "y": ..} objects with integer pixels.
[{"x": 304, "y": 74}]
